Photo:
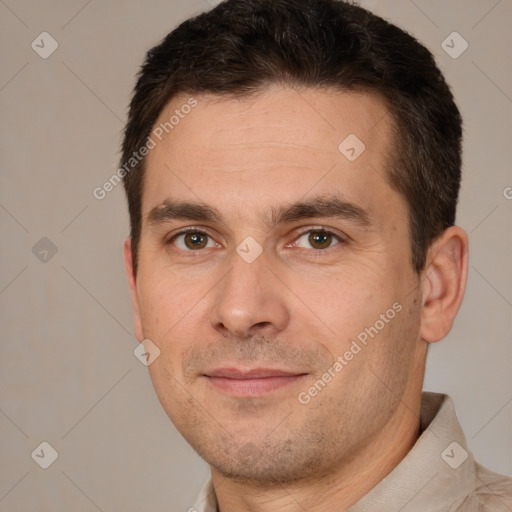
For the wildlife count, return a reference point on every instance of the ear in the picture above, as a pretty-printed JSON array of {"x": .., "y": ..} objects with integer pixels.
[
  {"x": 443, "y": 283},
  {"x": 132, "y": 283}
]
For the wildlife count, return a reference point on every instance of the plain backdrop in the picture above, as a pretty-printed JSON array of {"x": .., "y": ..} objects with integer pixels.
[{"x": 69, "y": 376}]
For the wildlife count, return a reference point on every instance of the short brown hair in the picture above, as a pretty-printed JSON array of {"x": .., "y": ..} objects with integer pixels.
[{"x": 241, "y": 46}]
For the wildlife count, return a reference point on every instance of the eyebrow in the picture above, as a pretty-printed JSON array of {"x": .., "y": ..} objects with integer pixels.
[{"x": 332, "y": 206}]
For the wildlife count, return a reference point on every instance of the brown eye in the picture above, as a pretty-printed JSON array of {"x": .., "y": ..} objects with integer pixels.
[
  {"x": 317, "y": 239},
  {"x": 191, "y": 240},
  {"x": 195, "y": 240}
]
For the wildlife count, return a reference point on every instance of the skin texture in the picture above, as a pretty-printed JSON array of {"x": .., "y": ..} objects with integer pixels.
[{"x": 298, "y": 306}]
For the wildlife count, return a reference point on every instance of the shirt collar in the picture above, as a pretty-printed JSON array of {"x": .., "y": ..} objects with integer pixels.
[
  {"x": 438, "y": 472},
  {"x": 206, "y": 501}
]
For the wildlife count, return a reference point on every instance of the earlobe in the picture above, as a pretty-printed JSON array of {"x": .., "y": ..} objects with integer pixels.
[
  {"x": 443, "y": 283},
  {"x": 132, "y": 283}
]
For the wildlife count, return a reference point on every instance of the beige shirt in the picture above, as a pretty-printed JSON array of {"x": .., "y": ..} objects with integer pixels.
[{"x": 439, "y": 474}]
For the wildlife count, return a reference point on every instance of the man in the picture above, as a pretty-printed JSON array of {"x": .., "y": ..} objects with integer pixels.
[{"x": 292, "y": 179}]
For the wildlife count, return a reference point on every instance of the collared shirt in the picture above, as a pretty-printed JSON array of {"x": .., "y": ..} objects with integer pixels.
[{"x": 439, "y": 474}]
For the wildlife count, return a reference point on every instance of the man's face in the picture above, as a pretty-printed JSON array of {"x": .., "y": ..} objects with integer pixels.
[{"x": 328, "y": 274}]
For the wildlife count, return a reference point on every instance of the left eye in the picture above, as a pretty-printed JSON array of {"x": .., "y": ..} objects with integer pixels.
[{"x": 318, "y": 239}]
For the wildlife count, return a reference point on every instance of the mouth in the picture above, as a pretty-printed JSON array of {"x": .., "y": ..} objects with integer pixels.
[{"x": 251, "y": 382}]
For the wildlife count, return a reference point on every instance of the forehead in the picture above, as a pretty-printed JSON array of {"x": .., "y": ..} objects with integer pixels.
[{"x": 273, "y": 147}]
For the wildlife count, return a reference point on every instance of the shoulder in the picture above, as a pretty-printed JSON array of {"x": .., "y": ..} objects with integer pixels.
[{"x": 492, "y": 492}]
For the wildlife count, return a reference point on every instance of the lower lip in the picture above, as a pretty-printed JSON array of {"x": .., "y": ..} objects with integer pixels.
[{"x": 253, "y": 387}]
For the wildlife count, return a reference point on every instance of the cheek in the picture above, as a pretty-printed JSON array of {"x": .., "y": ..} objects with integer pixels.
[
  {"x": 165, "y": 299},
  {"x": 174, "y": 315},
  {"x": 155, "y": 303},
  {"x": 346, "y": 303},
  {"x": 369, "y": 323},
  {"x": 165, "y": 309}
]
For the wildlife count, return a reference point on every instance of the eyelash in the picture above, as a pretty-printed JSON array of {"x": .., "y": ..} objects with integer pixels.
[{"x": 318, "y": 229}]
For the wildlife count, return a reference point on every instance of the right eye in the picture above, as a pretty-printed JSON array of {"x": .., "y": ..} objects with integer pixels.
[{"x": 191, "y": 240}]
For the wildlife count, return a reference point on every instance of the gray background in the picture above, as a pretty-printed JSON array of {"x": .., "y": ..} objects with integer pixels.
[{"x": 69, "y": 376}]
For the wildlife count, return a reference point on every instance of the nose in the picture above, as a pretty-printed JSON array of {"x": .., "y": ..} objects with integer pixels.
[{"x": 250, "y": 300}]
